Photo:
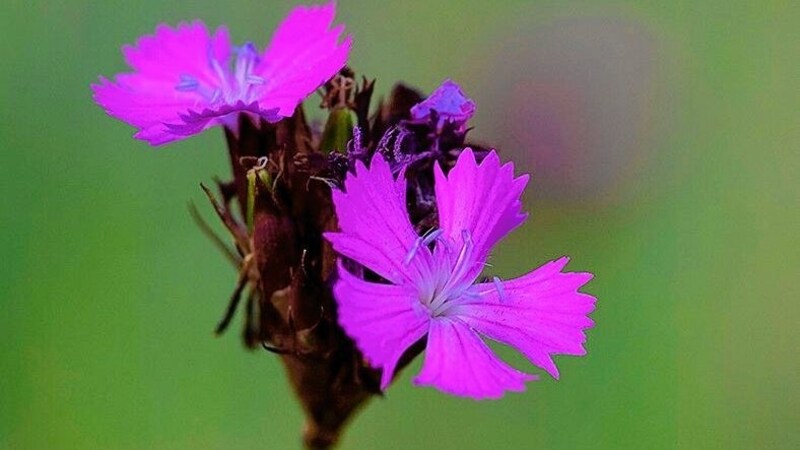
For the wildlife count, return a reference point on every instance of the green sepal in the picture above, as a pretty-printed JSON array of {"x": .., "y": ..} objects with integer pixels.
[{"x": 338, "y": 130}]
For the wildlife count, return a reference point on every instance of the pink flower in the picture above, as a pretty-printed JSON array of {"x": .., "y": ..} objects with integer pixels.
[
  {"x": 430, "y": 286},
  {"x": 186, "y": 80}
]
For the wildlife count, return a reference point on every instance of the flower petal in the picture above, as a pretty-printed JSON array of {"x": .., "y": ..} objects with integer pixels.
[
  {"x": 304, "y": 53},
  {"x": 541, "y": 313},
  {"x": 221, "y": 114},
  {"x": 384, "y": 320},
  {"x": 184, "y": 50},
  {"x": 483, "y": 200},
  {"x": 458, "y": 362},
  {"x": 375, "y": 228},
  {"x": 148, "y": 99}
]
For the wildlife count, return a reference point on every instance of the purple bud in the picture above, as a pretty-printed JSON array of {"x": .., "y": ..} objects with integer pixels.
[{"x": 450, "y": 104}]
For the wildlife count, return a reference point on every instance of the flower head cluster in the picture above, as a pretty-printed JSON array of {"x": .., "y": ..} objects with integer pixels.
[
  {"x": 418, "y": 209},
  {"x": 186, "y": 79},
  {"x": 430, "y": 284}
]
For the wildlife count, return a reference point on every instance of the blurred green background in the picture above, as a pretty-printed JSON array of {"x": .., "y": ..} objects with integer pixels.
[{"x": 663, "y": 142}]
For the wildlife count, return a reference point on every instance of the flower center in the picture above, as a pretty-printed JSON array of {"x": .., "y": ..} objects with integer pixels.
[
  {"x": 229, "y": 85},
  {"x": 450, "y": 276}
]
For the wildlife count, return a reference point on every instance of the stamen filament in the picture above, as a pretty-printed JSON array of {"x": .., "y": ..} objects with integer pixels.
[
  {"x": 498, "y": 285},
  {"x": 413, "y": 251},
  {"x": 424, "y": 240}
]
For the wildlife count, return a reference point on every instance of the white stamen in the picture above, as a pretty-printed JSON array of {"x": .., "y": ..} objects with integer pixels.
[
  {"x": 221, "y": 75},
  {"x": 454, "y": 282},
  {"x": 232, "y": 82},
  {"x": 432, "y": 236},
  {"x": 424, "y": 240}
]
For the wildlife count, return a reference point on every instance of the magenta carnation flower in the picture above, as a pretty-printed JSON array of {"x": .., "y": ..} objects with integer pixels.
[
  {"x": 449, "y": 103},
  {"x": 431, "y": 286},
  {"x": 186, "y": 80}
]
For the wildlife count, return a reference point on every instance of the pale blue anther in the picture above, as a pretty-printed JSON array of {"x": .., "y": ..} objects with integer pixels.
[
  {"x": 255, "y": 79},
  {"x": 187, "y": 83},
  {"x": 247, "y": 50}
]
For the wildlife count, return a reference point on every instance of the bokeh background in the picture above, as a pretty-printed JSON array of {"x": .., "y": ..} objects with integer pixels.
[{"x": 663, "y": 142}]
